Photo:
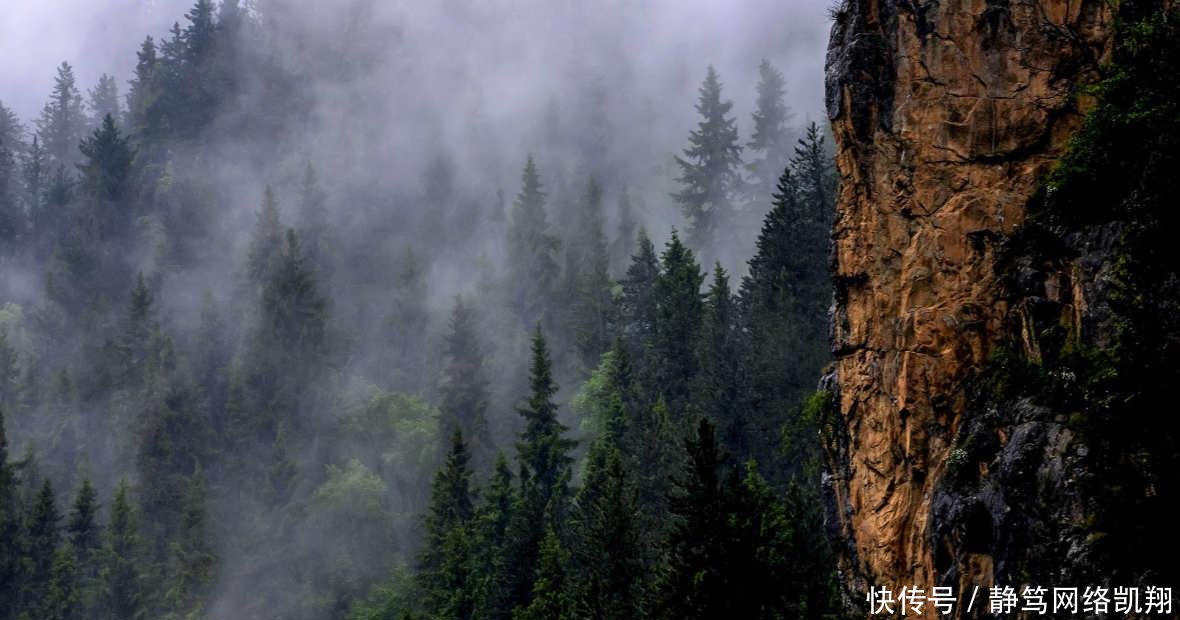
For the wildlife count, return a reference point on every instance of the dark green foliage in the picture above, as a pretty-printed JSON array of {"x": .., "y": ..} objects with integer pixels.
[
  {"x": 42, "y": 535},
  {"x": 551, "y": 598},
  {"x": 266, "y": 242},
  {"x": 493, "y": 571},
  {"x": 444, "y": 568},
  {"x": 122, "y": 572},
  {"x": 679, "y": 312},
  {"x": 718, "y": 388},
  {"x": 609, "y": 575},
  {"x": 639, "y": 295},
  {"x": 10, "y": 528},
  {"x": 784, "y": 303},
  {"x": 107, "y": 166},
  {"x": 710, "y": 176}
]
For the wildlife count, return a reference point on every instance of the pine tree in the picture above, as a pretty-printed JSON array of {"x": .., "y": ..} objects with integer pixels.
[
  {"x": 82, "y": 528},
  {"x": 639, "y": 296},
  {"x": 552, "y": 589},
  {"x": 695, "y": 584},
  {"x": 545, "y": 470},
  {"x": 493, "y": 571},
  {"x": 10, "y": 530},
  {"x": 104, "y": 101},
  {"x": 314, "y": 227},
  {"x": 12, "y": 215},
  {"x": 34, "y": 169},
  {"x": 121, "y": 572},
  {"x": 266, "y": 241},
  {"x": 41, "y": 539},
  {"x": 63, "y": 120},
  {"x": 784, "y": 303},
  {"x": 679, "y": 312},
  {"x": 106, "y": 170},
  {"x": 408, "y": 322},
  {"x": 592, "y": 311},
  {"x": 62, "y": 599},
  {"x": 771, "y": 137},
  {"x": 626, "y": 233},
  {"x": 141, "y": 96},
  {"x": 445, "y": 565},
  {"x": 815, "y": 171},
  {"x": 709, "y": 169},
  {"x": 531, "y": 248},
  {"x": 608, "y": 565},
  {"x": 717, "y": 390},
  {"x": 9, "y": 371},
  {"x": 464, "y": 389},
  {"x": 191, "y": 562}
]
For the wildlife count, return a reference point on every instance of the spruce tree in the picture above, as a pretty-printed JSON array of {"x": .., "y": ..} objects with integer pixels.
[
  {"x": 445, "y": 564},
  {"x": 84, "y": 533},
  {"x": 639, "y": 297},
  {"x": 10, "y": 529},
  {"x": 545, "y": 471},
  {"x": 12, "y": 214},
  {"x": 695, "y": 583},
  {"x": 625, "y": 234},
  {"x": 493, "y": 571},
  {"x": 531, "y": 249},
  {"x": 106, "y": 170},
  {"x": 552, "y": 591},
  {"x": 314, "y": 227},
  {"x": 266, "y": 241},
  {"x": 592, "y": 311},
  {"x": 122, "y": 562},
  {"x": 465, "y": 390},
  {"x": 717, "y": 389},
  {"x": 142, "y": 95},
  {"x": 104, "y": 101},
  {"x": 679, "y": 312},
  {"x": 62, "y": 599},
  {"x": 784, "y": 302},
  {"x": 709, "y": 171},
  {"x": 42, "y": 536},
  {"x": 771, "y": 136},
  {"x": 191, "y": 562},
  {"x": 609, "y": 574},
  {"x": 63, "y": 121}
]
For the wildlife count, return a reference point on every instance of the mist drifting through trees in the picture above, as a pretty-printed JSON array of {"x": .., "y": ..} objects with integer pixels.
[{"x": 432, "y": 310}]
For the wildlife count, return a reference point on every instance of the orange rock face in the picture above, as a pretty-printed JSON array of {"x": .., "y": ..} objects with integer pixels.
[{"x": 946, "y": 116}]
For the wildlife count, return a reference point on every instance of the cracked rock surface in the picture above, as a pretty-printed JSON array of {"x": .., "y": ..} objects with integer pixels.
[{"x": 946, "y": 116}]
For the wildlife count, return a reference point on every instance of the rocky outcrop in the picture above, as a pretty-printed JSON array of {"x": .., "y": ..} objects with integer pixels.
[{"x": 947, "y": 115}]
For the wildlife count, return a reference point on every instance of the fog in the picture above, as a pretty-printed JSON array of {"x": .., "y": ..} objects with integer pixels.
[{"x": 418, "y": 117}]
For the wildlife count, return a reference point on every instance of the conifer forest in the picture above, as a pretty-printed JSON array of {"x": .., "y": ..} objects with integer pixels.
[
  {"x": 587, "y": 309},
  {"x": 308, "y": 315}
]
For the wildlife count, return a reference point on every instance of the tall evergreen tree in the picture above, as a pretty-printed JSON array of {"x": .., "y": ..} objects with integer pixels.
[
  {"x": 42, "y": 535},
  {"x": 710, "y": 178},
  {"x": 679, "y": 312},
  {"x": 771, "y": 136},
  {"x": 141, "y": 96},
  {"x": 493, "y": 571},
  {"x": 83, "y": 530},
  {"x": 531, "y": 249},
  {"x": 545, "y": 470},
  {"x": 552, "y": 597},
  {"x": 445, "y": 564},
  {"x": 784, "y": 303},
  {"x": 62, "y": 599},
  {"x": 464, "y": 389},
  {"x": 592, "y": 311},
  {"x": 63, "y": 121},
  {"x": 266, "y": 240},
  {"x": 191, "y": 562},
  {"x": 122, "y": 562},
  {"x": 10, "y": 529},
  {"x": 626, "y": 233},
  {"x": 104, "y": 101},
  {"x": 609, "y": 574},
  {"x": 639, "y": 296},
  {"x": 106, "y": 172},
  {"x": 314, "y": 226},
  {"x": 717, "y": 390}
]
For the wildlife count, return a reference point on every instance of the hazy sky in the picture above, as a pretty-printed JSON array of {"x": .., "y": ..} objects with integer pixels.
[{"x": 101, "y": 36}]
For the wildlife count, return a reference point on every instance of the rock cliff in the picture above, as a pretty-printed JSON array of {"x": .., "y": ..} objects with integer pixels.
[{"x": 947, "y": 117}]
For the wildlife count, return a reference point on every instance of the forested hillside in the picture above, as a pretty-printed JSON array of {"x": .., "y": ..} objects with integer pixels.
[{"x": 263, "y": 357}]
